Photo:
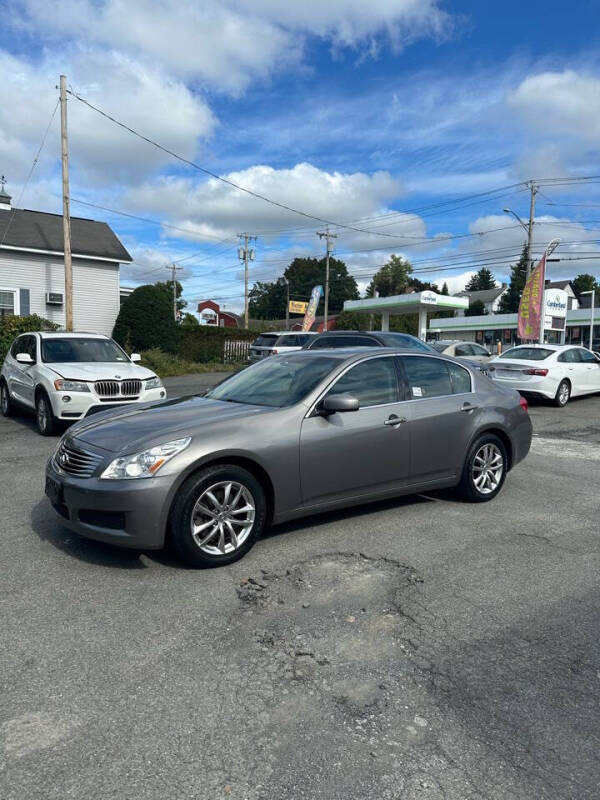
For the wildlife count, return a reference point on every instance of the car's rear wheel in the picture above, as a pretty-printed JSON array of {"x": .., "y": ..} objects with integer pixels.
[
  {"x": 44, "y": 416},
  {"x": 484, "y": 470},
  {"x": 217, "y": 516},
  {"x": 563, "y": 394},
  {"x": 6, "y": 404}
]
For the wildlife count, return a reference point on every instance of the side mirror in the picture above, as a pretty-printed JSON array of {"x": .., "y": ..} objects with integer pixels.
[
  {"x": 25, "y": 358},
  {"x": 340, "y": 403},
  {"x": 135, "y": 357}
]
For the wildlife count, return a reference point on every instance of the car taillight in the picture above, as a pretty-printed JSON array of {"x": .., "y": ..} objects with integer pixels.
[
  {"x": 524, "y": 404},
  {"x": 542, "y": 372}
]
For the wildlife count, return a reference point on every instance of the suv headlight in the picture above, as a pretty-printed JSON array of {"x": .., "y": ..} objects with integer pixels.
[
  {"x": 147, "y": 463},
  {"x": 154, "y": 383},
  {"x": 62, "y": 385}
]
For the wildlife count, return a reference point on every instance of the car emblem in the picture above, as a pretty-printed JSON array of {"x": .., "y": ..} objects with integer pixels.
[{"x": 64, "y": 458}]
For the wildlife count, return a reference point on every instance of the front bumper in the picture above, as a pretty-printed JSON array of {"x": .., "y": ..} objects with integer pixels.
[
  {"x": 81, "y": 404},
  {"x": 128, "y": 513}
]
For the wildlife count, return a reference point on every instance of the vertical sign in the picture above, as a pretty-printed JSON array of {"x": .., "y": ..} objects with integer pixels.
[
  {"x": 311, "y": 311},
  {"x": 530, "y": 307}
]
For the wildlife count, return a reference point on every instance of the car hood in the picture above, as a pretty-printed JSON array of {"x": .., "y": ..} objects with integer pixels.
[
  {"x": 129, "y": 428},
  {"x": 94, "y": 371}
]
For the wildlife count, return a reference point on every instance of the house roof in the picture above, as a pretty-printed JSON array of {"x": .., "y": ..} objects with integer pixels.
[
  {"x": 558, "y": 285},
  {"x": 485, "y": 295},
  {"x": 37, "y": 230}
]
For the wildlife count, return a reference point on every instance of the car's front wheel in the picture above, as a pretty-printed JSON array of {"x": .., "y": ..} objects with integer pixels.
[
  {"x": 484, "y": 470},
  {"x": 217, "y": 516},
  {"x": 6, "y": 404},
  {"x": 44, "y": 416},
  {"x": 563, "y": 394}
]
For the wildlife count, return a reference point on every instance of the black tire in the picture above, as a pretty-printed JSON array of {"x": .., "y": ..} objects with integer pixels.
[
  {"x": 489, "y": 488},
  {"x": 7, "y": 407},
  {"x": 180, "y": 523},
  {"x": 563, "y": 393},
  {"x": 44, "y": 416}
]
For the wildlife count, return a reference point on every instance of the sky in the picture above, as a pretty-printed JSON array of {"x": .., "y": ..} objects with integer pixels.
[{"x": 408, "y": 125}]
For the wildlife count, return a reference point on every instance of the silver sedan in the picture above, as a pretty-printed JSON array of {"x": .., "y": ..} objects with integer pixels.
[{"x": 290, "y": 436}]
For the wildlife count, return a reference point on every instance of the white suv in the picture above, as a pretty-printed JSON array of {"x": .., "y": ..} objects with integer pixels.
[{"x": 65, "y": 376}]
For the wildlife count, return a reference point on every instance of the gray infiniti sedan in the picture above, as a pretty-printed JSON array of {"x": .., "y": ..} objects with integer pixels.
[{"x": 290, "y": 436}]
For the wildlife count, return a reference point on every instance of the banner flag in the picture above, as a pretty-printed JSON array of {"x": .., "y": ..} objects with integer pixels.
[
  {"x": 311, "y": 311},
  {"x": 532, "y": 301}
]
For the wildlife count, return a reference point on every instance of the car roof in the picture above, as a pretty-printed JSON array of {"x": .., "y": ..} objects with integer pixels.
[
  {"x": 70, "y": 335},
  {"x": 356, "y": 353},
  {"x": 287, "y": 333}
]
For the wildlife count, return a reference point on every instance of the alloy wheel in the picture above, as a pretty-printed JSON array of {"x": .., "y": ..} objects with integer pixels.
[
  {"x": 223, "y": 517},
  {"x": 487, "y": 469},
  {"x": 563, "y": 393}
]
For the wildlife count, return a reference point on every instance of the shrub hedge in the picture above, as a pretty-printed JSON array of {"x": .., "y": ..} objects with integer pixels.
[
  {"x": 207, "y": 342},
  {"x": 146, "y": 321},
  {"x": 10, "y": 327}
]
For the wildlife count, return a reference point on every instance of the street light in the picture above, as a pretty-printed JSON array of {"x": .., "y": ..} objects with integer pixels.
[
  {"x": 517, "y": 217},
  {"x": 592, "y": 292}
]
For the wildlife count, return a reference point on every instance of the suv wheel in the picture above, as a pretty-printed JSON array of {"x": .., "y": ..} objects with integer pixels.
[
  {"x": 46, "y": 421},
  {"x": 217, "y": 516},
  {"x": 6, "y": 404},
  {"x": 484, "y": 470}
]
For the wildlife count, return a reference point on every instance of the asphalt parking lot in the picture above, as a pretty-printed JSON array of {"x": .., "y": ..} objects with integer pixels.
[{"x": 417, "y": 648}]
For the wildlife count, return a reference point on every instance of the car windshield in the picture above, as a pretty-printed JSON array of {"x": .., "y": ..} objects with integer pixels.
[
  {"x": 404, "y": 340},
  {"x": 528, "y": 353},
  {"x": 277, "y": 381},
  {"x": 69, "y": 350},
  {"x": 439, "y": 346},
  {"x": 266, "y": 340}
]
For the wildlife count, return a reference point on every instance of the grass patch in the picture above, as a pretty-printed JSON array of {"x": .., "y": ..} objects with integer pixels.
[{"x": 166, "y": 365}]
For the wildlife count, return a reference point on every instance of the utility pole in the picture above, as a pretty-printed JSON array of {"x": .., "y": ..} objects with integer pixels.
[
  {"x": 64, "y": 142},
  {"x": 287, "y": 304},
  {"x": 174, "y": 269},
  {"x": 328, "y": 237},
  {"x": 533, "y": 189},
  {"x": 246, "y": 254}
]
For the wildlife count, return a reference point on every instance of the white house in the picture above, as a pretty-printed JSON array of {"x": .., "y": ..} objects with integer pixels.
[{"x": 32, "y": 273}]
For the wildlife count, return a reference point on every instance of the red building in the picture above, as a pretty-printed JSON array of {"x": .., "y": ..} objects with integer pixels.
[{"x": 212, "y": 315}]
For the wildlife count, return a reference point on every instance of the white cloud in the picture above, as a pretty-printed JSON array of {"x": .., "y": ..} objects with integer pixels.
[
  {"x": 100, "y": 151},
  {"x": 227, "y": 43},
  {"x": 560, "y": 103},
  {"x": 216, "y": 208}
]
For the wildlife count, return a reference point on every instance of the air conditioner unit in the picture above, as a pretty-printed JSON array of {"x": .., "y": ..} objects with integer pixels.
[{"x": 54, "y": 298}]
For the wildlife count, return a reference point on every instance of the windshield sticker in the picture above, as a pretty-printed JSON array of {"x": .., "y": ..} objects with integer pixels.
[{"x": 417, "y": 391}]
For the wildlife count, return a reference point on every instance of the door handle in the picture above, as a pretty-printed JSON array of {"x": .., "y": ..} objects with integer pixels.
[
  {"x": 394, "y": 421},
  {"x": 468, "y": 407}
]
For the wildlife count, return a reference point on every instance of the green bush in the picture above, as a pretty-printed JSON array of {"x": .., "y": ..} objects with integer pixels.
[
  {"x": 10, "y": 327},
  {"x": 207, "y": 342},
  {"x": 166, "y": 365},
  {"x": 146, "y": 321}
]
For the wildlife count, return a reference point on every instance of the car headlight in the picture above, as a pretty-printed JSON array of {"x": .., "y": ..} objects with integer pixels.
[
  {"x": 154, "y": 383},
  {"x": 62, "y": 385},
  {"x": 147, "y": 463}
]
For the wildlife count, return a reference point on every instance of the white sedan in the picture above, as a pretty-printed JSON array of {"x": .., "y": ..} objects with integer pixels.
[{"x": 557, "y": 372}]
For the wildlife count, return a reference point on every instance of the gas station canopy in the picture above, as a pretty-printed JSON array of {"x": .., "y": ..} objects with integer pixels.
[{"x": 417, "y": 302}]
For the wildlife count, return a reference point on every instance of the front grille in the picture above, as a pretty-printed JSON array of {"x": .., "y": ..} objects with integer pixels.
[
  {"x": 76, "y": 462},
  {"x": 110, "y": 389}
]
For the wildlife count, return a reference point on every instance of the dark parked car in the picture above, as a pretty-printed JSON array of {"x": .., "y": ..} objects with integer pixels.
[
  {"x": 367, "y": 339},
  {"x": 292, "y": 435}
]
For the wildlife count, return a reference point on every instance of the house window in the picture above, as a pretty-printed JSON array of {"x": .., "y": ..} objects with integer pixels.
[{"x": 9, "y": 302}]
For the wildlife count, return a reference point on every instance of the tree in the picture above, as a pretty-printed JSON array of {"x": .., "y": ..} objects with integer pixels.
[
  {"x": 509, "y": 302},
  {"x": 189, "y": 321},
  {"x": 167, "y": 287},
  {"x": 267, "y": 300},
  {"x": 481, "y": 280},
  {"x": 476, "y": 309},
  {"x": 392, "y": 279},
  {"x": 585, "y": 283},
  {"x": 146, "y": 320},
  {"x": 445, "y": 289}
]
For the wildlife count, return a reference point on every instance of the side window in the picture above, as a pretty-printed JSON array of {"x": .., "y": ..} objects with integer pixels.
[
  {"x": 302, "y": 339},
  {"x": 460, "y": 378},
  {"x": 570, "y": 357},
  {"x": 427, "y": 377},
  {"x": 31, "y": 347},
  {"x": 464, "y": 350},
  {"x": 363, "y": 341},
  {"x": 319, "y": 344},
  {"x": 373, "y": 382},
  {"x": 21, "y": 345},
  {"x": 287, "y": 341},
  {"x": 478, "y": 350},
  {"x": 588, "y": 357}
]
